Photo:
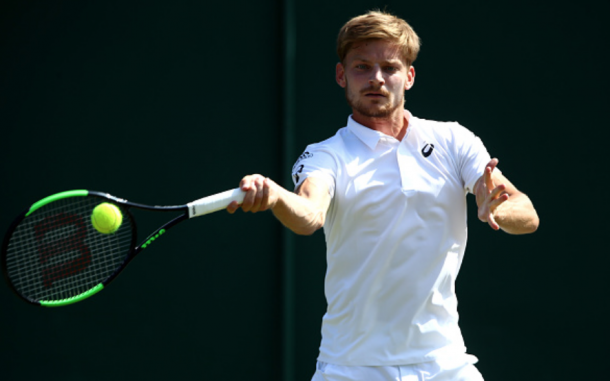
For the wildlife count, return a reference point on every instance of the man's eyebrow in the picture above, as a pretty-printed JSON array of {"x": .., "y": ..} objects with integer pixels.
[
  {"x": 393, "y": 61},
  {"x": 360, "y": 58}
]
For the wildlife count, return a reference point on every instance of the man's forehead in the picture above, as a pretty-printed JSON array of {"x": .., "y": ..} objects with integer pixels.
[{"x": 377, "y": 49}]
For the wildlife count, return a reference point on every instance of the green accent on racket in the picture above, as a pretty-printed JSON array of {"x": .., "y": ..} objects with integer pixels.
[
  {"x": 55, "y": 197},
  {"x": 74, "y": 299},
  {"x": 53, "y": 251}
]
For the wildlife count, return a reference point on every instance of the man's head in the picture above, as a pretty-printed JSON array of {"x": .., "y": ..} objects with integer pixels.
[
  {"x": 376, "y": 51},
  {"x": 376, "y": 25}
]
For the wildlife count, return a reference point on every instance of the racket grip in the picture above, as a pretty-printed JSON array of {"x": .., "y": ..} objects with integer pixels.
[{"x": 214, "y": 203}]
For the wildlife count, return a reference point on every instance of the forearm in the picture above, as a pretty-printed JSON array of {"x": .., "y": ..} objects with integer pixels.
[
  {"x": 501, "y": 205},
  {"x": 517, "y": 215},
  {"x": 298, "y": 214},
  {"x": 302, "y": 213}
]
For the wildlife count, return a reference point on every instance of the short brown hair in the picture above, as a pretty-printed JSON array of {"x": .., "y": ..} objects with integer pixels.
[{"x": 378, "y": 25}]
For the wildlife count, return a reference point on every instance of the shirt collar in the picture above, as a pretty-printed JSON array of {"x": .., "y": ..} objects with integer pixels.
[{"x": 369, "y": 136}]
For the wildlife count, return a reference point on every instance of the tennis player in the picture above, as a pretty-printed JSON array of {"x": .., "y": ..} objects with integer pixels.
[{"x": 390, "y": 191}]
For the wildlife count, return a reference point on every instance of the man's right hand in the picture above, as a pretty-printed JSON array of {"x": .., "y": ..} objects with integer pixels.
[{"x": 261, "y": 194}]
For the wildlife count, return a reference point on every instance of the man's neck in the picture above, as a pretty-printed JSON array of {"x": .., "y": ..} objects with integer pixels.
[{"x": 394, "y": 125}]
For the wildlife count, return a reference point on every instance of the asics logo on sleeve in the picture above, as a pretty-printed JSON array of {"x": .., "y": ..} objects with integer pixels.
[
  {"x": 304, "y": 155},
  {"x": 296, "y": 173}
]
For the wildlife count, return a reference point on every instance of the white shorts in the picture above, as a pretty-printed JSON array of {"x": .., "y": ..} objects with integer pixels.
[{"x": 457, "y": 369}]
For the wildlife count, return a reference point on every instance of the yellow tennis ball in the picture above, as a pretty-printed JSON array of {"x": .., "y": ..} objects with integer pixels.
[{"x": 106, "y": 218}]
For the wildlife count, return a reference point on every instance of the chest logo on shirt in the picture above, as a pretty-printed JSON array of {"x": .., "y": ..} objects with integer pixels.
[{"x": 427, "y": 150}]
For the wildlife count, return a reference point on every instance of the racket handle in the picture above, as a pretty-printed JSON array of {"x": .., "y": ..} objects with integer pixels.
[{"x": 214, "y": 203}]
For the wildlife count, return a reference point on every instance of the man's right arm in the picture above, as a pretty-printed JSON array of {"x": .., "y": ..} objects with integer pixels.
[{"x": 303, "y": 212}]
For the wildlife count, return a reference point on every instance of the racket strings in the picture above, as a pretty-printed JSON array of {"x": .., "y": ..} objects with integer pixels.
[{"x": 55, "y": 253}]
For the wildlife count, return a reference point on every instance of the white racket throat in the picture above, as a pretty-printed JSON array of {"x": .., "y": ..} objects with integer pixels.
[{"x": 214, "y": 203}]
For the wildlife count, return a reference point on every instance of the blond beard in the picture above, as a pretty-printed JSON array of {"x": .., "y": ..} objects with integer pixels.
[{"x": 371, "y": 111}]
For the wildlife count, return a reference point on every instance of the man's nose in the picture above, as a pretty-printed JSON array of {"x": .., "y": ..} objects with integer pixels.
[{"x": 376, "y": 76}]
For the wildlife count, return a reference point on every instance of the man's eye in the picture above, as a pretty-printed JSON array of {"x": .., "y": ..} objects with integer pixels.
[
  {"x": 361, "y": 66},
  {"x": 391, "y": 69}
]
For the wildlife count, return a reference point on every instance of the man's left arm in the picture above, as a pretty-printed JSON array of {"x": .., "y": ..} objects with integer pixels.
[{"x": 502, "y": 205}]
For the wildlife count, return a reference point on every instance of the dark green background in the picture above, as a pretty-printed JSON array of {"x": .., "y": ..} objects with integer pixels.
[{"x": 165, "y": 102}]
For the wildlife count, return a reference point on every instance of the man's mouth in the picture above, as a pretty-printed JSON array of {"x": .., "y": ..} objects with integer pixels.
[{"x": 374, "y": 93}]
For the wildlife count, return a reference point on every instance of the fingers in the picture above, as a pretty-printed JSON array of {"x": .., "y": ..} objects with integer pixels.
[
  {"x": 492, "y": 222},
  {"x": 494, "y": 197},
  {"x": 233, "y": 206},
  {"x": 492, "y": 164},
  {"x": 485, "y": 185},
  {"x": 265, "y": 202},
  {"x": 497, "y": 191},
  {"x": 258, "y": 193},
  {"x": 489, "y": 168},
  {"x": 486, "y": 213},
  {"x": 253, "y": 187}
]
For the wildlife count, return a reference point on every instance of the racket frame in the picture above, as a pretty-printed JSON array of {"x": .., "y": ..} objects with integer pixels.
[{"x": 134, "y": 249}]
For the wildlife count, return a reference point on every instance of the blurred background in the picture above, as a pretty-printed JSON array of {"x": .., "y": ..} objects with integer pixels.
[{"x": 164, "y": 102}]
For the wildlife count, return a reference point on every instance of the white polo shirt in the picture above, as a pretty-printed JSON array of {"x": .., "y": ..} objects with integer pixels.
[{"x": 395, "y": 234}]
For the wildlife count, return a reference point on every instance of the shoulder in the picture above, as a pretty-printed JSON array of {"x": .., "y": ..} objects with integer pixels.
[
  {"x": 442, "y": 130},
  {"x": 332, "y": 145},
  {"x": 321, "y": 154}
]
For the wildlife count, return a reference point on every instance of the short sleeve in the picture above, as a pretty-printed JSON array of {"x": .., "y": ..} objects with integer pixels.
[
  {"x": 315, "y": 162},
  {"x": 473, "y": 158}
]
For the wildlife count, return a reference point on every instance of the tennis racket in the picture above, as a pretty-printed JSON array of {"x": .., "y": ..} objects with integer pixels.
[{"x": 53, "y": 256}]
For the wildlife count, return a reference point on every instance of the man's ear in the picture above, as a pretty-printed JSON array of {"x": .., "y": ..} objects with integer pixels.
[
  {"x": 340, "y": 74},
  {"x": 410, "y": 78}
]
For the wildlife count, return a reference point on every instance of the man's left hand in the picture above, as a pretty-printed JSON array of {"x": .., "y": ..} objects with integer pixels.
[{"x": 489, "y": 195}]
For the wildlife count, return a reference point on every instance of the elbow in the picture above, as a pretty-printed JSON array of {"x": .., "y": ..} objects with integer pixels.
[
  {"x": 525, "y": 218},
  {"x": 528, "y": 227},
  {"x": 533, "y": 225},
  {"x": 524, "y": 225},
  {"x": 533, "y": 222},
  {"x": 308, "y": 229},
  {"x": 301, "y": 231},
  {"x": 305, "y": 230}
]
